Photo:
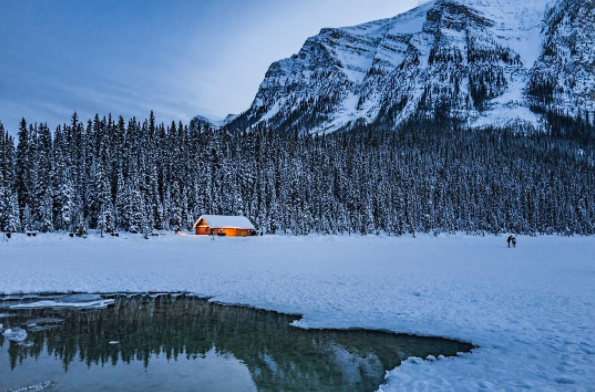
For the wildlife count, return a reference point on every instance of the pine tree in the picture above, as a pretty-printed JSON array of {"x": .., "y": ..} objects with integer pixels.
[
  {"x": 44, "y": 209},
  {"x": 13, "y": 222},
  {"x": 105, "y": 209},
  {"x": 23, "y": 169},
  {"x": 424, "y": 176}
]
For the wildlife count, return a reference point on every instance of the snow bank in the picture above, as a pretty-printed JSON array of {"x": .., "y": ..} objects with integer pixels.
[
  {"x": 530, "y": 309},
  {"x": 15, "y": 334},
  {"x": 101, "y": 304},
  {"x": 42, "y": 386}
]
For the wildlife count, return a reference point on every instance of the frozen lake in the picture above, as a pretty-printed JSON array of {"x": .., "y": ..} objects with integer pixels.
[
  {"x": 530, "y": 309},
  {"x": 179, "y": 342}
]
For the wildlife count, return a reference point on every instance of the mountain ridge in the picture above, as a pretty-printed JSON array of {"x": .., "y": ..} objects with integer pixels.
[{"x": 484, "y": 63}]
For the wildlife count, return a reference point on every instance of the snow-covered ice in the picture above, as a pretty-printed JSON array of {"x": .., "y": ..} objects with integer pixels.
[
  {"x": 101, "y": 304},
  {"x": 15, "y": 334},
  {"x": 531, "y": 310},
  {"x": 42, "y": 386}
]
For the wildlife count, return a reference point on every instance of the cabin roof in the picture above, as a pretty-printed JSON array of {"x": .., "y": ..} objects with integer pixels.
[{"x": 220, "y": 221}]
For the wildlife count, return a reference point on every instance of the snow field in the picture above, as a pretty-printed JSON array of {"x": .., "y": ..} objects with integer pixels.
[{"x": 530, "y": 309}]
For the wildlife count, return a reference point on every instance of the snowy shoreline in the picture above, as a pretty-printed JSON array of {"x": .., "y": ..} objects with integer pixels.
[
  {"x": 529, "y": 309},
  {"x": 104, "y": 300}
]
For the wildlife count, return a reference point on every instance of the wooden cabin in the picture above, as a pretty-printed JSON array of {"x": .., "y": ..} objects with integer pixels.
[{"x": 229, "y": 226}]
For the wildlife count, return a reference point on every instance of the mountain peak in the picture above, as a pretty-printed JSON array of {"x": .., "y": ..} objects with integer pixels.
[{"x": 483, "y": 62}]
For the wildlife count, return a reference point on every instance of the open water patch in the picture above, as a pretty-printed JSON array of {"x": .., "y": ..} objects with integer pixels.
[{"x": 180, "y": 342}]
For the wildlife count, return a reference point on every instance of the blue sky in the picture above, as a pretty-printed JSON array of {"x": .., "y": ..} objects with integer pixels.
[{"x": 178, "y": 58}]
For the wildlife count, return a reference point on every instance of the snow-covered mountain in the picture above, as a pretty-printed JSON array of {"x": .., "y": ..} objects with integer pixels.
[
  {"x": 213, "y": 123},
  {"x": 486, "y": 62}
]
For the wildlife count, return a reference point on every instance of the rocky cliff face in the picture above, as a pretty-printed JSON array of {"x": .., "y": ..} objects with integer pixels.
[
  {"x": 564, "y": 75},
  {"x": 484, "y": 62}
]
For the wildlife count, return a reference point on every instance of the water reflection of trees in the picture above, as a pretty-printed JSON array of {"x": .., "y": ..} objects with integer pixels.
[{"x": 278, "y": 356}]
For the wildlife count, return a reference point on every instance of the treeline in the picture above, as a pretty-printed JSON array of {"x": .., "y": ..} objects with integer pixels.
[{"x": 111, "y": 174}]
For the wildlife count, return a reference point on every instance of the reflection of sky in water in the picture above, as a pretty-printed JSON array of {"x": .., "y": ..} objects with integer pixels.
[{"x": 185, "y": 343}]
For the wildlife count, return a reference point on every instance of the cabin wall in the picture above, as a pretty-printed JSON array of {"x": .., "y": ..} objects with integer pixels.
[
  {"x": 203, "y": 230},
  {"x": 228, "y": 231},
  {"x": 244, "y": 232}
]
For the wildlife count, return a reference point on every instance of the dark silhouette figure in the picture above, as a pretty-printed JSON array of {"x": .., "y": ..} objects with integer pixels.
[{"x": 511, "y": 240}]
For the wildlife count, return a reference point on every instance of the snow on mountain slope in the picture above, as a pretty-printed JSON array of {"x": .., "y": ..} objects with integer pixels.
[
  {"x": 486, "y": 62},
  {"x": 564, "y": 74},
  {"x": 215, "y": 124},
  {"x": 517, "y": 25}
]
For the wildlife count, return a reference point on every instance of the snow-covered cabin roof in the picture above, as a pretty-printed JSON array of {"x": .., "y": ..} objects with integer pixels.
[{"x": 220, "y": 221}]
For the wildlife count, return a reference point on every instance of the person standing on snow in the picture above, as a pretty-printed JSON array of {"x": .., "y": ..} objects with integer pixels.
[{"x": 511, "y": 239}]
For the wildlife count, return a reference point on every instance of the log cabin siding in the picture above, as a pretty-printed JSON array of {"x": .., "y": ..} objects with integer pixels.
[{"x": 202, "y": 227}]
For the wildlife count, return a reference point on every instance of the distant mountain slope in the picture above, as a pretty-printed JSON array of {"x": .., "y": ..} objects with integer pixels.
[
  {"x": 564, "y": 74},
  {"x": 215, "y": 124},
  {"x": 485, "y": 62}
]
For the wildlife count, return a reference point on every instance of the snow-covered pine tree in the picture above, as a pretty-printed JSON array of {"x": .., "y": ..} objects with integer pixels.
[
  {"x": 44, "y": 193},
  {"x": 23, "y": 168},
  {"x": 424, "y": 176},
  {"x": 105, "y": 210}
]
